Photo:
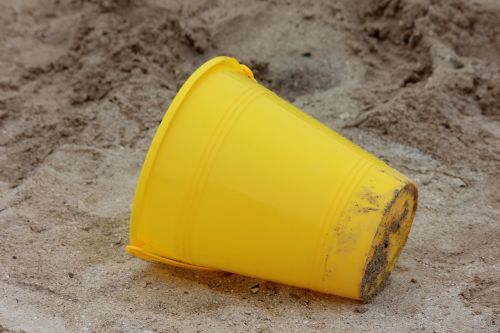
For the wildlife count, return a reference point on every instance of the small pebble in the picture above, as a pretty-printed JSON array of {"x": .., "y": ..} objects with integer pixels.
[
  {"x": 412, "y": 280},
  {"x": 71, "y": 275},
  {"x": 457, "y": 182},
  {"x": 360, "y": 309},
  {"x": 14, "y": 257},
  {"x": 255, "y": 289}
]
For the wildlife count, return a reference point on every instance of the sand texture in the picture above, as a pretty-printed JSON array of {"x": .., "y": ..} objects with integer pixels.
[{"x": 84, "y": 85}]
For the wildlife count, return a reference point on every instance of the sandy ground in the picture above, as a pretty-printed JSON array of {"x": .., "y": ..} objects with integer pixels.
[{"x": 84, "y": 84}]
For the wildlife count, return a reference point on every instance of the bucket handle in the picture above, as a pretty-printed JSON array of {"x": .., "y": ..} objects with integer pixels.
[
  {"x": 247, "y": 72},
  {"x": 135, "y": 250}
]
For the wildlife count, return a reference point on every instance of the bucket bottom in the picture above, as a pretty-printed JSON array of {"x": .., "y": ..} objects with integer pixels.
[{"x": 389, "y": 240}]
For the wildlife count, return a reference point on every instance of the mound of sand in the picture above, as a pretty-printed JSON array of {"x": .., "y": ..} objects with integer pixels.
[{"x": 84, "y": 85}]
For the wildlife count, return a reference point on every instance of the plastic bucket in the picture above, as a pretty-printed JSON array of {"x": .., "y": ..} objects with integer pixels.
[{"x": 238, "y": 179}]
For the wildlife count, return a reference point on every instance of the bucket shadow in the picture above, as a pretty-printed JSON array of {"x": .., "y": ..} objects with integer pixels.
[{"x": 237, "y": 286}]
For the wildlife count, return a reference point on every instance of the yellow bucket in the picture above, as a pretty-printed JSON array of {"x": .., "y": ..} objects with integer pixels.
[{"x": 237, "y": 179}]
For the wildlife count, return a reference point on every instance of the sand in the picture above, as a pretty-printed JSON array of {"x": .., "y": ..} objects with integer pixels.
[{"x": 84, "y": 85}]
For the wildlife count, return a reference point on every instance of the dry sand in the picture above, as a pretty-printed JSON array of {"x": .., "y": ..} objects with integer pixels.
[{"x": 84, "y": 85}]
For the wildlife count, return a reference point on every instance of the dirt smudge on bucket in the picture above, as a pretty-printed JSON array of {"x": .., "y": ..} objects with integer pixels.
[
  {"x": 392, "y": 239},
  {"x": 416, "y": 82}
]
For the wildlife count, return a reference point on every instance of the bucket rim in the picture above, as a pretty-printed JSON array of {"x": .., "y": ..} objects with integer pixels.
[{"x": 168, "y": 117}]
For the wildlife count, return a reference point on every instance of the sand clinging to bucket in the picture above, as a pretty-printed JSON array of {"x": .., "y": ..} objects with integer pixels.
[{"x": 85, "y": 84}]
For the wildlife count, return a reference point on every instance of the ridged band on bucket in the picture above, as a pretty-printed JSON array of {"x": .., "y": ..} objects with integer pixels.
[{"x": 238, "y": 179}]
